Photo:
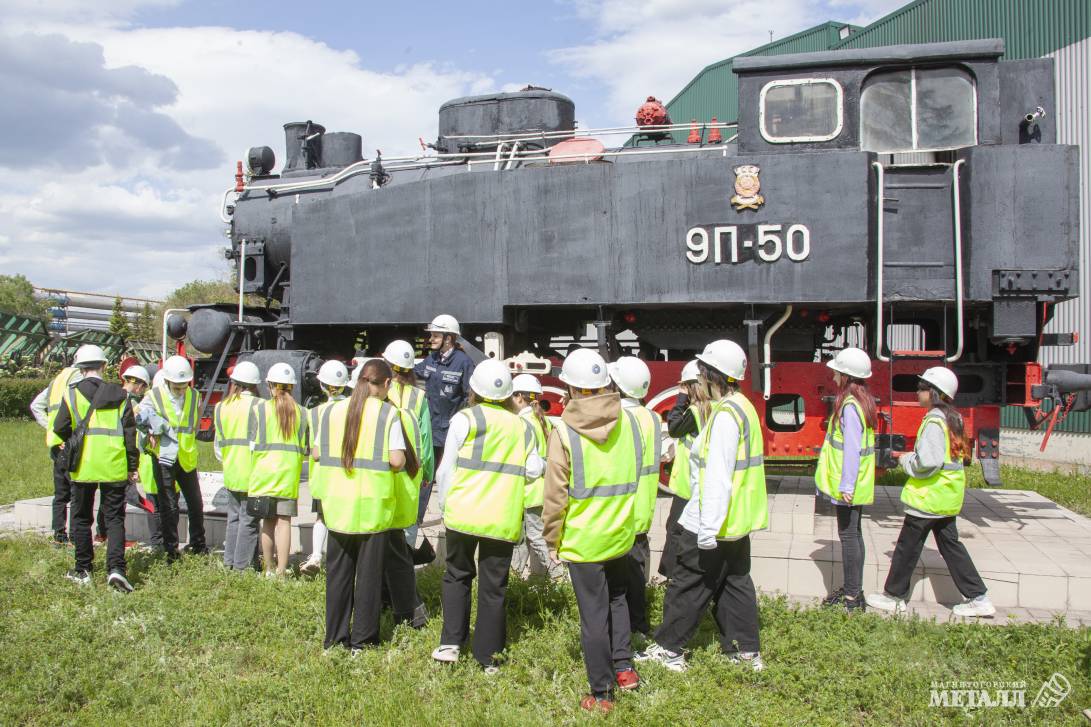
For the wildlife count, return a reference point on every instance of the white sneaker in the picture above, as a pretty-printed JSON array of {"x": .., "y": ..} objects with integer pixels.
[
  {"x": 310, "y": 566},
  {"x": 446, "y": 653},
  {"x": 119, "y": 582},
  {"x": 977, "y": 607},
  {"x": 750, "y": 658},
  {"x": 883, "y": 602},
  {"x": 666, "y": 657},
  {"x": 491, "y": 670}
]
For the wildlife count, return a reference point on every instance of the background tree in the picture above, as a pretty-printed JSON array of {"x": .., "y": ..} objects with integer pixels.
[
  {"x": 119, "y": 323},
  {"x": 146, "y": 326},
  {"x": 17, "y": 298}
]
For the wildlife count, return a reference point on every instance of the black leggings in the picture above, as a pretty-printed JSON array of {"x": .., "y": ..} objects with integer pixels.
[
  {"x": 852, "y": 547},
  {"x": 908, "y": 551}
]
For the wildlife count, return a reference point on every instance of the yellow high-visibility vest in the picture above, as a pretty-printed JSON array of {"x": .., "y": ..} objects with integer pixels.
[
  {"x": 58, "y": 388},
  {"x": 184, "y": 423},
  {"x": 749, "y": 507},
  {"x": 943, "y": 492},
  {"x": 232, "y": 425},
  {"x": 363, "y": 501},
  {"x": 827, "y": 476},
  {"x": 102, "y": 457},
  {"x": 277, "y": 459},
  {"x": 603, "y": 479}
]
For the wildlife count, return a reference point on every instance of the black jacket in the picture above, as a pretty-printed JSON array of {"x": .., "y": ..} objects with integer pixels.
[
  {"x": 680, "y": 420},
  {"x": 111, "y": 396}
]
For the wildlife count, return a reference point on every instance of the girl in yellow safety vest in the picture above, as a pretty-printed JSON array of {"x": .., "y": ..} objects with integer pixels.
[
  {"x": 846, "y": 468},
  {"x": 231, "y": 445},
  {"x": 278, "y": 442},
  {"x": 527, "y": 399},
  {"x": 713, "y": 535},
  {"x": 333, "y": 377},
  {"x": 684, "y": 423},
  {"x": 361, "y": 450},
  {"x": 488, "y": 456},
  {"x": 933, "y": 499}
]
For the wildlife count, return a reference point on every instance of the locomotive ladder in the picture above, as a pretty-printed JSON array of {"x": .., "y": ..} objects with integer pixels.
[{"x": 959, "y": 302}]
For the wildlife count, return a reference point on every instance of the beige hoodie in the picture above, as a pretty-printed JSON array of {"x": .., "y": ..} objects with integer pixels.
[{"x": 593, "y": 417}]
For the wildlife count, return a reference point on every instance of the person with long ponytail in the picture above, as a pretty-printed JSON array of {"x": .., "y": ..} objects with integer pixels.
[
  {"x": 684, "y": 423},
  {"x": 527, "y": 399},
  {"x": 278, "y": 443},
  {"x": 333, "y": 376},
  {"x": 933, "y": 497},
  {"x": 364, "y": 448},
  {"x": 846, "y": 467},
  {"x": 231, "y": 420}
]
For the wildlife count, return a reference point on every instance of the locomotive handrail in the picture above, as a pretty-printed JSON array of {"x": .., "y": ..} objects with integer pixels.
[
  {"x": 956, "y": 203},
  {"x": 879, "y": 256},
  {"x": 606, "y": 131}
]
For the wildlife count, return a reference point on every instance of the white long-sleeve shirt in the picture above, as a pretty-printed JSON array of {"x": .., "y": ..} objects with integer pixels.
[
  {"x": 665, "y": 442},
  {"x": 40, "y": 404},
  {"x": 706, "y": 511},
  {"x": 457, "y": 432}
]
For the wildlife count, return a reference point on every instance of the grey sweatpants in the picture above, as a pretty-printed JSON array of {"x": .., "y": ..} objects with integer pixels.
[
  {"x": 242, "y": 533},
  {"x": 533, "y": 541}
]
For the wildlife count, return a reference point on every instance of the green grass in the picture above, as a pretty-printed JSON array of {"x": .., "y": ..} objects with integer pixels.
[
  {"x": 26, "y": 470},
  {"x": 195, "y": 645}
]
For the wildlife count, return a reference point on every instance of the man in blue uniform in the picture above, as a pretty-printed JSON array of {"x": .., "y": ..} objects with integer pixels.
[{"x": 445, "y": 372}]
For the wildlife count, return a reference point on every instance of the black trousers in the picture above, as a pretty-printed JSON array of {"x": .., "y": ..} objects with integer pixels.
[
  {"x": 166, "y": 505},
  {"x": 426, "y": 487},
  {"x": 62, "y": 495},
  {"x": 670, "y": 552},
  {"x": 908, "y": 551},
  {"x": 494, "y": 562},
  {"x": 636, "y": 563},
  {"x": 604, "y": 620},
  {"x": 852, "y": 547},
  {"x": 720, "y": 576},
  {"x": 401, "y": 579},
  {"x": 354, "y": 580},
  {"x": 112, "y": 507}
]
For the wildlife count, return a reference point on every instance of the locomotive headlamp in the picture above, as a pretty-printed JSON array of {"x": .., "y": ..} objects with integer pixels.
[{"x": 260, "y": 161}]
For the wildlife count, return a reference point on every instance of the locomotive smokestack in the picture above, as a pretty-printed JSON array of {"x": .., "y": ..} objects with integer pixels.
[{"x": 302, "y": 145}]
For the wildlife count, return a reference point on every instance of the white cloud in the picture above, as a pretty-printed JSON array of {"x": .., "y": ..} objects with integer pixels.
[{"x": 140, "y": 215}]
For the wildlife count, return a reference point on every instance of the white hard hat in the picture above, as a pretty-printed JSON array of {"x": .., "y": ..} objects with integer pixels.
[
  {"x": 690, "y": 372},
  {"x": 631, "y": 376},
  {"x": 943, "y": 379},
  {"x": 444, "y": 324},
  {"x": 333, "y": 373},
  {"x": 527, "y": 383},
  {"x": 585, "y": 369},
  {"x": 400, "y": 353},
  {"x": 246, "y": 372},
  {"x": 852, "y": 362},
  {"x": 491, "y": 380},
  {"x": 177, "y": 370},
  {"x": 88, "y": 354},
  {"x": 725, "y": 356},
  {"x": 137, "y": 372},
  {"x": 281, "y": 373},
  {"x": 159, "y": 378}
]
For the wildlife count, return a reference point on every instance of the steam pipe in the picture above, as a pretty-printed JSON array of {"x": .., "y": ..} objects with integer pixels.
[
  {"x": 879, "y": 257},
  {"x": 957, "y": 205},
  {"x": 767, "y": 366}
]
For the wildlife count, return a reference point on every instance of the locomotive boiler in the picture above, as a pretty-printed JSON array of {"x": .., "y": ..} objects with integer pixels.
[{"x": 911, "y": 200}]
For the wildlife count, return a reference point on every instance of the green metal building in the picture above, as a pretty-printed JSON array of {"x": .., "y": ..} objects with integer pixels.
[{"x": 1057, "y": 29}]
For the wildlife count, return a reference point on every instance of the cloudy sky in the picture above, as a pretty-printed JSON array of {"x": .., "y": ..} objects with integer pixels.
[{"x": 121, "y": 120}]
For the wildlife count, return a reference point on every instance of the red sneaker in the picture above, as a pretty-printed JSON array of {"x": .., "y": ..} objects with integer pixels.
[
  {"x": 591, "y": 704},
  {"x": 628, "y": 679}
]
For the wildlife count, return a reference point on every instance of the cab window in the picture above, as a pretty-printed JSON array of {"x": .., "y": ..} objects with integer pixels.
[
  {"x": 918, "y": 109},
  {"x": 799, "y": 110}
]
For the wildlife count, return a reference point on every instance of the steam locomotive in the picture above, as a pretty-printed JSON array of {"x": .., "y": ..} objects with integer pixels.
[{"x": 910, "y": 199}]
